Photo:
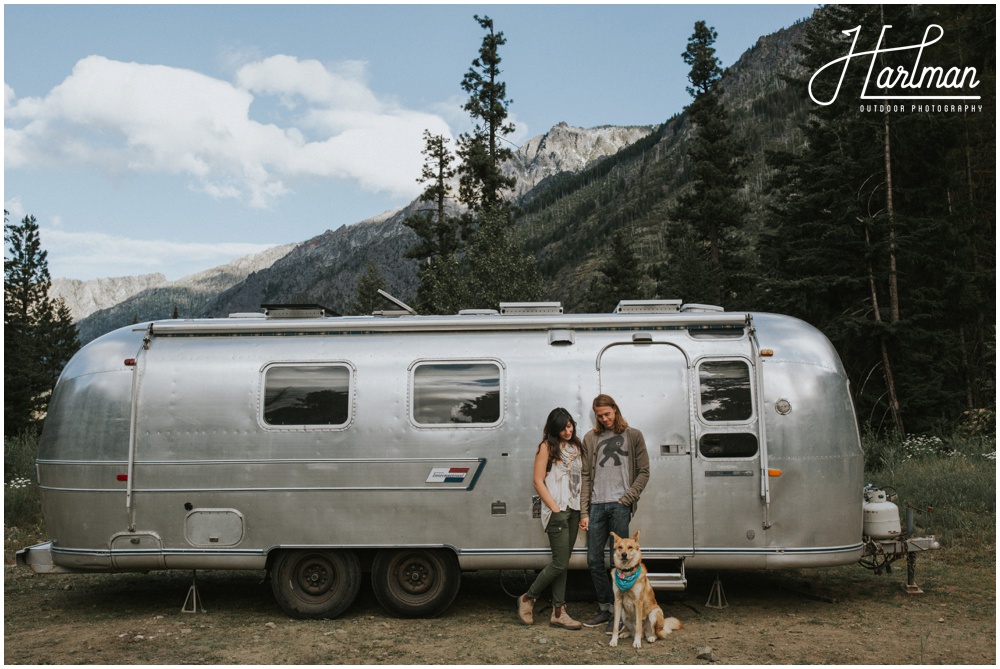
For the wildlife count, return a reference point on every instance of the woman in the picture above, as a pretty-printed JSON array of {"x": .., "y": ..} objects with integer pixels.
[{"x": 557, "y": 480}]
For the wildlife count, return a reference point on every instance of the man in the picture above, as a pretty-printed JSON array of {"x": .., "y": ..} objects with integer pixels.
[{"x": 615, "y": 469}]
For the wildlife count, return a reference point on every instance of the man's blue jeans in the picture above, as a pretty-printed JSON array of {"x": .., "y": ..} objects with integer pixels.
[{"x": 604, "y": 519}]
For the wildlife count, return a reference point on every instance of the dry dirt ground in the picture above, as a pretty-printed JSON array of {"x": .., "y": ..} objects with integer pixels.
[{"x": 845, "y": 615}]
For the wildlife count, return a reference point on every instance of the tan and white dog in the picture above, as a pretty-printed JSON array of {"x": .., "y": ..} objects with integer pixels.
[{"x": 634, "y": 597}]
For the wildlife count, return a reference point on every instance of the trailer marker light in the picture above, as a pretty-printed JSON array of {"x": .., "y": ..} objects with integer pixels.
[
  {"x": 766, "y": 352},
  {"x": 130, "y": 362},
  {"x": 774, "y": 473},
  {"x": 122, "y": 477}
]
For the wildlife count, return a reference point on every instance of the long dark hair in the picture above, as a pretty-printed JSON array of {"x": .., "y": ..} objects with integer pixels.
[{"x": 557, "y": 421}]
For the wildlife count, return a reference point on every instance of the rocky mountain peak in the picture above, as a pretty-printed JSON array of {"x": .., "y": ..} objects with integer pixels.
[
  {"x": 86, "y": 297},
  {"x": 566, "y": 148}
]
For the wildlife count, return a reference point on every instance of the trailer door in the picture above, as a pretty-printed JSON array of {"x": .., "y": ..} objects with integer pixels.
[
  {"x": 727, "y": 462},
  {"x": 649, "y": 382}
]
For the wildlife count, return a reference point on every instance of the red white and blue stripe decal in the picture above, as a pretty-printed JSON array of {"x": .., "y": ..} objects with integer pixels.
[{"x": 448, "y": 475}]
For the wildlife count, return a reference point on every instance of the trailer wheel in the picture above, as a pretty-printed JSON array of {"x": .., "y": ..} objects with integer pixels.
[
  {"x": 416, "y": 582},
  {"x": 315, "y": 583}
]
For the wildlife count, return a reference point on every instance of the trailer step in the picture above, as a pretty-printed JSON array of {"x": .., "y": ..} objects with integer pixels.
[
  {"x": 667, "y": 574},
  {"x": 667, "y": 581}
]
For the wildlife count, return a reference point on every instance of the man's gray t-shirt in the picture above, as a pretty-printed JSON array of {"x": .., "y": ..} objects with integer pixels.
[{"x": 611, "y": 468}]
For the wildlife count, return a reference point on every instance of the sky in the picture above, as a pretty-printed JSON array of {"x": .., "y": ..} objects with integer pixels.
[{"x": 175, "y": 138}]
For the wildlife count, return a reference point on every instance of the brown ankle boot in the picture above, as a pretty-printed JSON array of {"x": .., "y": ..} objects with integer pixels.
[
  {"x": 526, "y": 609},
  {"x": 561, "y": 619}
]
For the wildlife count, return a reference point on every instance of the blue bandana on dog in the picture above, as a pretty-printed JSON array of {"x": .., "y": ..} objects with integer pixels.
[{"x": 626, "y": 582}]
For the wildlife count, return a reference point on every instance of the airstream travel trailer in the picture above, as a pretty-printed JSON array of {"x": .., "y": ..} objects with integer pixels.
[{"x": 323, "y": 447}]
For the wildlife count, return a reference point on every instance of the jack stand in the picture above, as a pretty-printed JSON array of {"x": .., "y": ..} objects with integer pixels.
[
  {"x": 911, "y": 586},
  {"x": 193, "y": 602},
  {"x": 717, "y": 597}
]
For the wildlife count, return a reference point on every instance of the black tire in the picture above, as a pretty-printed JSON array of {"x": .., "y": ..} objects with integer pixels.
[
  {"x": 315, "y": 583},
  {"x": 416, "y": 582}
]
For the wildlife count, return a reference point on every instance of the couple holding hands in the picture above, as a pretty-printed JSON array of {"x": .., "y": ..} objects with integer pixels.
[{"x": 593, "y": 485}]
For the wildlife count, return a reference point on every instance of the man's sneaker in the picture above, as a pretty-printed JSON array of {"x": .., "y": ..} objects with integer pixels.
[
  {"x": 601, "y": 618},
  {"x": 610, "y": 629}
]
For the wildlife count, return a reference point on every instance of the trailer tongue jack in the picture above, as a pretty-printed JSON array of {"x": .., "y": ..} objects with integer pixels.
[{"x": 885, "y": 542}]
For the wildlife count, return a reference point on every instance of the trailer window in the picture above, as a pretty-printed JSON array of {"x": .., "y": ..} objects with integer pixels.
[
  {"x": 725, "y": 390},
  {"x": 307, "y": 395},
  {"x": 728, "y": 445},
  {"x": 456, "y": 394}
]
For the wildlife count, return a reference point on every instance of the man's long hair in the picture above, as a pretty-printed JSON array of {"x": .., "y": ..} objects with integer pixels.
[{"x": 620, "y": 423}]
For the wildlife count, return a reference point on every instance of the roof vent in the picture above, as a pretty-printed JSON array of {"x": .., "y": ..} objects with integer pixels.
[
  {"x": 561, "y": 338},
  {"x": 402, "y": 306},
  {"x": 702, "y": 307},
  {"x": 648, "y": 307},
  {"x": 530, "y": 308},
  {"x": 296, "y": 311}
]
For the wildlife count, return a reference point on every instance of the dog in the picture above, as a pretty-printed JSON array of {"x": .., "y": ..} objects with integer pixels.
[{"x": 634, "y": 597}]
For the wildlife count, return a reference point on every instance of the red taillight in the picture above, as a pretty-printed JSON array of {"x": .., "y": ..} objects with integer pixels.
[
  {"x": 122, "y": 477},
  {"x": 130, "y": 362}
]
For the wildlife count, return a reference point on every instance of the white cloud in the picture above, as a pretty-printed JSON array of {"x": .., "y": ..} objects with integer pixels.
[
  {"x": 88, "y": 255},
  {"x": 131, "y": 117},
  {"x": 14, "y": 208},
  {"x": 309, "y": 80}
]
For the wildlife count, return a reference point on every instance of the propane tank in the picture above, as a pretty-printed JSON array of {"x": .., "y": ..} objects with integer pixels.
[{"x": 881, "y": 517}]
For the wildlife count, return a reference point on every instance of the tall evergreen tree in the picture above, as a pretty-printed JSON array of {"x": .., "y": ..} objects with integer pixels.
[
  {"x": 710, "y": 214},
  {"x": 438, "y": 231},
  {"x": 496, "y": 266},
  {"x": 482, "y": 184},
  {"x": 39, "y": 334}
]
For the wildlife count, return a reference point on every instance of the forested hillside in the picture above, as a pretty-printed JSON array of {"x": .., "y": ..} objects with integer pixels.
[
  {"x": 568, "y": 220},
  {"x": 876, "y": 224}
]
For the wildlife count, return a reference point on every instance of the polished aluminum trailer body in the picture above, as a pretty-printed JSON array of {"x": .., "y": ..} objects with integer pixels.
[{"x": 195, "y": 444}]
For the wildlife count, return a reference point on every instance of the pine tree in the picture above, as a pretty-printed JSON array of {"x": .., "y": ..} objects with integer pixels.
[
  {"x": 482, "y": 184},
  {"x": 439, "y": 233},
  {"x": 495, "y": 267},
  {"x": 710, "y": 213},
  {"x": 39, "y": 334}
]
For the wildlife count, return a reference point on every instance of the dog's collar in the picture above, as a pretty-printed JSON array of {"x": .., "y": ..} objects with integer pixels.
[{"x": 624, "y": 582}]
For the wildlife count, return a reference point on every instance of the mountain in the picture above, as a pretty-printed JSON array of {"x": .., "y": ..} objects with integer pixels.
[
  {"x": 325, "y": 269},
  {"x": 159, "y": 298},
  {"x": 565, "y": 149},
  {"x": 86, "y": 297}
]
